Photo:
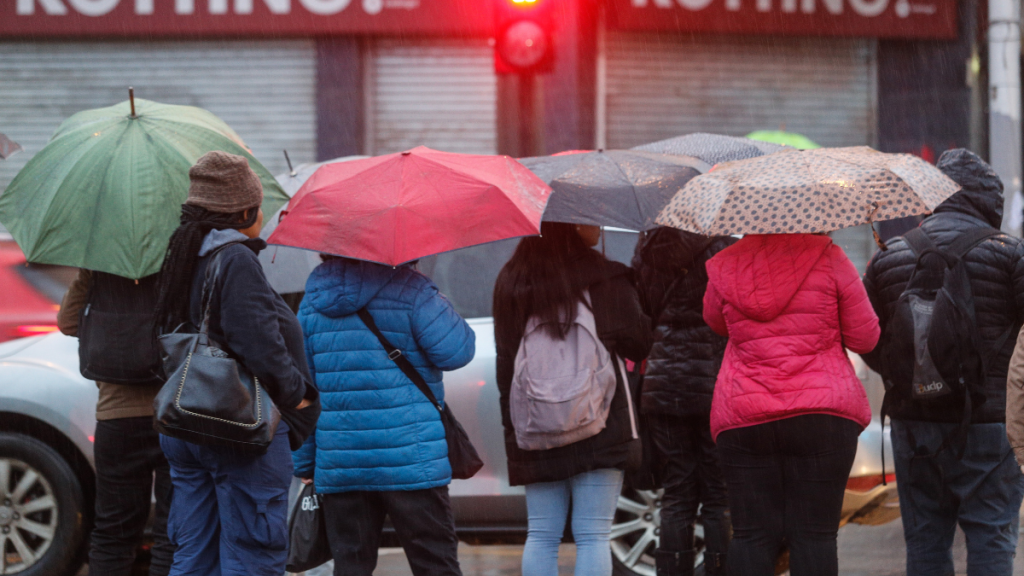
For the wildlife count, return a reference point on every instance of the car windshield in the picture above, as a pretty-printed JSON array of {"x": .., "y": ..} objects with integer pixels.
[{"x": 466, "y": 277}]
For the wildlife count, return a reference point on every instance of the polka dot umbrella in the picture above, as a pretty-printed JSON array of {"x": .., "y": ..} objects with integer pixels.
[{"x": 793, "y": 192}]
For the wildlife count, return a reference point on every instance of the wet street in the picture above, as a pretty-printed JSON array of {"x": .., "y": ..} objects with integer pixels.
[{"x": 863, "y": 551}]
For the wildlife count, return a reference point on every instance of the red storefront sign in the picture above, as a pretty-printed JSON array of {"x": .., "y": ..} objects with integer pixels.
[
  {"x": 258, "y": 18},
  {"x": 872, "y": 18}
]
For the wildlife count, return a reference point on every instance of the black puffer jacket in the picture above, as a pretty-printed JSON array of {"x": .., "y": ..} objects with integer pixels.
[
  {"x": 623, "y": 329},
  {"x": 996, "y": 269},
  {"x": 687, "y": 354}
]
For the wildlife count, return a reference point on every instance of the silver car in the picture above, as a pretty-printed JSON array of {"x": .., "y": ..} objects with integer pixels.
[{"x": 47, "y": 419}]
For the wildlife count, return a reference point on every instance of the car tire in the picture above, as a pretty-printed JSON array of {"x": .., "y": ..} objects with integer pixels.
[
  {"x": 41, "y": 509},
  {"x": 636, "y": 530}
]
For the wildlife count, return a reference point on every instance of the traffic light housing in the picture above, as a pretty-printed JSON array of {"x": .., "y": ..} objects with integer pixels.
[{"x": 523, "y": 36}]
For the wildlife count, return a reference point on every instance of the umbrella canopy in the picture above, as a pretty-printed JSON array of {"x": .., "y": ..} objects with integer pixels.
[
  {"x": 401, "y": 207},
  {"x": 106, "y": 192},
  {"x": 798, "y": 141},
  {"x": 621, "y": 188},
  {"x": 712, "y": 148},
  {"x": 8, "y": 147},
  {"x": 287, "y": 269},
  {"x": 806, "y": 192}
]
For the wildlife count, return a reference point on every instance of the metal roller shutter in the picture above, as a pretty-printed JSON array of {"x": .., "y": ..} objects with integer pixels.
[
  {"x": 264, "y": 90},
  {"x": 436, "y": 93},
  {"x": 659, "y": 86}
]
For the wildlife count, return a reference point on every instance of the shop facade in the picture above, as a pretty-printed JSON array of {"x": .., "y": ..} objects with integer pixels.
[{"x": 328, "y": 78}]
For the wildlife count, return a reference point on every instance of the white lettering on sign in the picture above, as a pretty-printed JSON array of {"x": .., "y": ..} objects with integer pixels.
[
  {"x": 52, "y": 7},
  {"x": 275, "y": 6},
  {"x": 144, "y": 7},
  {"x": 93, "y": 7},
  {"x": 325, "y": 7},
  {"x": 867, "y": 8}
]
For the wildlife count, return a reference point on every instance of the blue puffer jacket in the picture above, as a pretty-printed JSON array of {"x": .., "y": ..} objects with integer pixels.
[{"x": 377, "y": 431}]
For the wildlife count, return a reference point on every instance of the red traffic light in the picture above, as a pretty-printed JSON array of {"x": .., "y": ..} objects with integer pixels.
[{"x": 523, "y": 36}]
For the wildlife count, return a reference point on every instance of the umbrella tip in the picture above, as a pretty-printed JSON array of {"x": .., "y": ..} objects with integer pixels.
[
  {"x": 131, "y": 99},
  {"x": 407, "y": 152},
  {"x": 291, "y": 171}
]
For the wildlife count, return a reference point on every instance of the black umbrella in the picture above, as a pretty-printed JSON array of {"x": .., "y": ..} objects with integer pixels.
[
  {"x": 621, "y": 188},
  {"x": 712, "y": 148}
]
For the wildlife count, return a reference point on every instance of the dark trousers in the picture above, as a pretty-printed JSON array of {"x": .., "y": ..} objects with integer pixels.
[
  {"x": 229, "y": 515},
  {"x": 691, "y": 477},
  {"x": 981, "y": 492},
  {"x": 423, "y": 521},
  {"x": 128, "y": 457},
  {"x": 786, "y": 482}
]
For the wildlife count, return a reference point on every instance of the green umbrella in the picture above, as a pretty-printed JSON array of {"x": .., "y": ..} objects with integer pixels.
[
  {"x": 106, "y": 192},
  {"x": 793, "y": 139}
]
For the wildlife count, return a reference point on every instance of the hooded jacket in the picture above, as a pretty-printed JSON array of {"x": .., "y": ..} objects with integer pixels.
[
  {"x": 996, "y": 270},
  {"x": 624, "y": 330},
  {"x": 686, "y": 356},
  {"x": 789, "y": 304},
  {"x": 377, "y": 431}
]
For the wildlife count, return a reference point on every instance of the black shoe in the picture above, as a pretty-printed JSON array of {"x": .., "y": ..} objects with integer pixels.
[
  {"x": 669, "y": 563},
  {"x": 714, "y": 564}
]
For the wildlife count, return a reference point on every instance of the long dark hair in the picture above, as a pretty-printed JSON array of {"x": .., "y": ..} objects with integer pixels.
[
  {"x": 175, "y": 282},
  {"x": 539, "y": 281}
]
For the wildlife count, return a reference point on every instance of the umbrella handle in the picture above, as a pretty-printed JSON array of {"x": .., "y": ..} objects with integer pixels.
[{"x": 871, "y": 223}]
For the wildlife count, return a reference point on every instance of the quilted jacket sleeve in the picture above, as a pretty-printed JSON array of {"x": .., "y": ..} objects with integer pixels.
[
  {"x": 444, "y": 336},
  {"x": 857, "y": 320},
  {"x": 713, "y": 315},
  {"x": 874, "y": 359}
]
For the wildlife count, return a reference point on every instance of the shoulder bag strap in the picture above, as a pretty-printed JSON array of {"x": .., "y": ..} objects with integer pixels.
[
  {"x": 212, "y": 273},
  {"x": 399, "y": 359}
]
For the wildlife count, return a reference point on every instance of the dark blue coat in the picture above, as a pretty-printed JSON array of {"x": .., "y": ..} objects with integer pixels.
[{"x": 377, "y": 431}]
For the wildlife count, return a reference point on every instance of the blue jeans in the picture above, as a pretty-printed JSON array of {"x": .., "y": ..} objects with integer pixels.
[
  {"x": 594, "y": 496},
  {"x": 982, "y": 492},
  {"x": 229, "y": 511}
]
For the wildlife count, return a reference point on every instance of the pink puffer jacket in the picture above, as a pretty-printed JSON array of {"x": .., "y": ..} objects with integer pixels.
[{"x": 788, "y": 303}]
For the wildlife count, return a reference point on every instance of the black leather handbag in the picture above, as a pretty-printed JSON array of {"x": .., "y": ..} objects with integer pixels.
[
  {"x": 462, "y": 455},
  {"x": 209, "y": 397}
]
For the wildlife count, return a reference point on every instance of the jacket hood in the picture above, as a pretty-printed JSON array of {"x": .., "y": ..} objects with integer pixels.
[
  {"x": 760, "y": 274},
  {"x": 341, "y": 287},
  {"x": 981, "y": 193}
]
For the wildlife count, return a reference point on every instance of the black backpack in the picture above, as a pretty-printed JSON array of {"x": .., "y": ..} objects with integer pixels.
[
  {"x": 117, "y": 331},
  {"x": 933, "y": 347}
]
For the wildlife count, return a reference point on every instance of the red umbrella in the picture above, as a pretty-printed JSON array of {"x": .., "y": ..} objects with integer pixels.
[{"x": 396, "y": 208}]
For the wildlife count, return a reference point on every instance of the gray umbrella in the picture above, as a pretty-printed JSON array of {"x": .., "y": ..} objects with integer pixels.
[
  {"x": 8, "y": 147},
  {"x": 620, "y": 188},
  {"x": 288, "y": 268},
  {"x": 712, "y": 148}
]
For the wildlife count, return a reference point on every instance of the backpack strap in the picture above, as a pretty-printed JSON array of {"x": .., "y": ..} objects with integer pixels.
[
  {"x": 968, "y": 240},
  {"x": 399, "y": 359},
  {"x": 919, "y": 242}
]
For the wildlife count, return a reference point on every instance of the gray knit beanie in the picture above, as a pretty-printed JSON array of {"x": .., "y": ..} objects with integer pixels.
[{"x": 223, "y": 182}]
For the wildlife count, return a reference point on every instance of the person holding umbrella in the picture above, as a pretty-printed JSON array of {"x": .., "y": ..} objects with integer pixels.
[
  {"x": 788, "y": 406},
  {"x": 379, "y": 336},
  {"x": 229, "y": 510},
  {"x": 104, "y": 196},
  {"x": 558, "y": 294}
]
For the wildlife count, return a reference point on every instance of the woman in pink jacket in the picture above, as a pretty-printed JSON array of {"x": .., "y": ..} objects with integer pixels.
[{"x": 788, "y": 406}]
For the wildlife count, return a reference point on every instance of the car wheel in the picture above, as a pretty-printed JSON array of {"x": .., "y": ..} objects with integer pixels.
[
  {"x": 41, "y": 520},
  {"x": 636, "y": 531}
]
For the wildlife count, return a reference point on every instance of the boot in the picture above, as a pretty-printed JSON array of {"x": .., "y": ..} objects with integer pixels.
[
  {"x": 714, "y": 564},
  {"x": 669, "y": 563}
]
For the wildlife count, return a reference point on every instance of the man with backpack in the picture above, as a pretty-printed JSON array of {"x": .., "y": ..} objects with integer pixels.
[
  {"x": 113, "y": 319},
  {"x": 950, "y": 299}
]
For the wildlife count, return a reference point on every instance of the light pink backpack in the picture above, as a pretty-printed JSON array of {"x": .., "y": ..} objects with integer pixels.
[{"x": 562, "y": 390}]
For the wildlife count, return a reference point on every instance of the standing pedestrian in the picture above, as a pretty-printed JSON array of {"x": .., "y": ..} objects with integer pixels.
[
  {"x": 558, "y": 289},
  {"x": 947, "y": 475},
  {"x": 113, "y": 318},
  {"x": 379, "y": 449},
  {"x": 229, "y": 510},
  {"x": 677, "y": 391},
  {"x": 788, "y": 406}
]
